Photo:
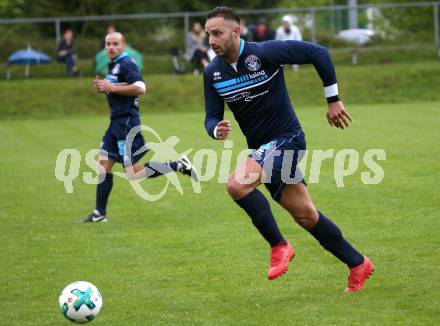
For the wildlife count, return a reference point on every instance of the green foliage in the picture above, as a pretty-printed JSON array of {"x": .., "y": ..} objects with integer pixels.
[
  {"x": 305, "y": 3},
  {"x": 12, "y": 8},
  {"x": 157, "y": 36},
  {"x": 54, "y": 8},
  {"x": 153, "y": 36}
]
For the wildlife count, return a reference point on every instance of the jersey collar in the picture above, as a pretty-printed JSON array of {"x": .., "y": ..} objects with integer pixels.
[
  {"x": 119, "y": 57},
  {"x": 241, "y": 46}
]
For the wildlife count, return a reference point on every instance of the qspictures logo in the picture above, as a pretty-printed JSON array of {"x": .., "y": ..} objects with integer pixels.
[{"x": 213, "y": 166}]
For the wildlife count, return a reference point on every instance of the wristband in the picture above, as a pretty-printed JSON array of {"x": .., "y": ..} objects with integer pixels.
[{"x": 333, "y": 99}]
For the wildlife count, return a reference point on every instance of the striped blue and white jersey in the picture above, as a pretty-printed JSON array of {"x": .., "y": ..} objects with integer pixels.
[
  {"x": 123, "y": 71},
  {"x": 256, "y": 90}
]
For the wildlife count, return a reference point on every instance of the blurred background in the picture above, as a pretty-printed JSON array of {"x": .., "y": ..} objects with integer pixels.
[{"x": 357, "y": 31}]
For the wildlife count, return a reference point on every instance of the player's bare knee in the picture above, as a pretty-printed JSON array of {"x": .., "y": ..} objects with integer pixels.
[
  {"x": 135, "y": 172},
  {"x": 106, "y": 165},
  {"x": 235, "y": 189},
  {"x": 232, "y": 186},
  {"x": 306, "y": 215}
]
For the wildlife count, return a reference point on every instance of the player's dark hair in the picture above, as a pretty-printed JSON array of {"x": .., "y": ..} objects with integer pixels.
[{"x": 225, "y": 12}]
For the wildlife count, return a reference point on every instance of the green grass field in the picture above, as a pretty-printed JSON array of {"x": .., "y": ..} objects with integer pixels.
[{"x": 195, "y": 259}]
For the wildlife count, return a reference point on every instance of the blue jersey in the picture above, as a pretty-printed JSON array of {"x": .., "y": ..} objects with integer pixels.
[
  {"x": 256, "y": 91},
  {"x": 123, "y": 71}
]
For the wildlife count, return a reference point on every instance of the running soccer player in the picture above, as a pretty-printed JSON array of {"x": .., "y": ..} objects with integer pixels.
[
  {"x": 249, "y": 78},
  {"x": 122, "y": 85}
]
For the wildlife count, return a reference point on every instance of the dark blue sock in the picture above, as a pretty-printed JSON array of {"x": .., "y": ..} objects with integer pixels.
[
  {"x": 330, "y": 237},
  {"x": 103, "y": 192},
  {"x": 257, "y": 207},
  {"x": 155, "y": 169}
]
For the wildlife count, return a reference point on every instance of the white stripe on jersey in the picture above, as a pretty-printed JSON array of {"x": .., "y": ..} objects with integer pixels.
[{"x": 251, "y": 86}]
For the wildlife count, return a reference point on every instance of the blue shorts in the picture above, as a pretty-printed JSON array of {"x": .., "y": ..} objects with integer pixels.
[
  {"x": 279, "y": 159},
  {"x": 114, "y": 145}
]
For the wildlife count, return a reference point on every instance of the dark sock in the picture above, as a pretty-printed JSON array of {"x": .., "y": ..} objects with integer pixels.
[
  {"x": 330, "y": 237},
  {"x": 155, "y": 169},
  {"x": 103, "y": 192},
  {"x": 257, "y": 207}
]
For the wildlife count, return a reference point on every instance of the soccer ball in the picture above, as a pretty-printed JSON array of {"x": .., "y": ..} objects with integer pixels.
[{"x": 80, "y": 302}]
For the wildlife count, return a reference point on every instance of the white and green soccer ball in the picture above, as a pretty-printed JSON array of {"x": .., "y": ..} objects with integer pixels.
[{"x": 80, "y": 302}]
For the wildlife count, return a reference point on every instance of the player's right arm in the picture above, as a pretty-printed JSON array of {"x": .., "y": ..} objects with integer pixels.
[
  {"x": 132, "y": 83},
  {"x": 215, "y": 125},
  {"x": 105, "y": 86}
]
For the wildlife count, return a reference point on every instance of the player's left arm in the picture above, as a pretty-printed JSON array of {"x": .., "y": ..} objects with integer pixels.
[
  {"x": 134, "y": 84},
  {"x": 300, "y": 52}
]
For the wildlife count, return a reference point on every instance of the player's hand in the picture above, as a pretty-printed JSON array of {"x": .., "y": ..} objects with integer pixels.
[
  {"x": 223, "y": 129},
  {"x": 337, "y": 115},
  {"x": 102, "y": 85}
]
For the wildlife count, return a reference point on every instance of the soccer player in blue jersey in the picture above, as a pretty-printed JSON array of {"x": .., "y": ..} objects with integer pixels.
[
  {"x": 249, "y": 78},
  {"x": 122, "y": 85}
]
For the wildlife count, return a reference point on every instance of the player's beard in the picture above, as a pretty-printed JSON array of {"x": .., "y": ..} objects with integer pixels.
[{"x": 228, "y": 49}]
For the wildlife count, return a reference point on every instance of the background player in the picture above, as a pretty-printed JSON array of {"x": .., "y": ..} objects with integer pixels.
[
  {"x": 249, "y": 77},
  {"x": 122, "y": 85}
]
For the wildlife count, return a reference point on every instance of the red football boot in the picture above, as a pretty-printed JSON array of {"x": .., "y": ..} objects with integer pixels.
[
  {"x": 279, "y": 260},
  {"x": 358, "y": 275}
]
